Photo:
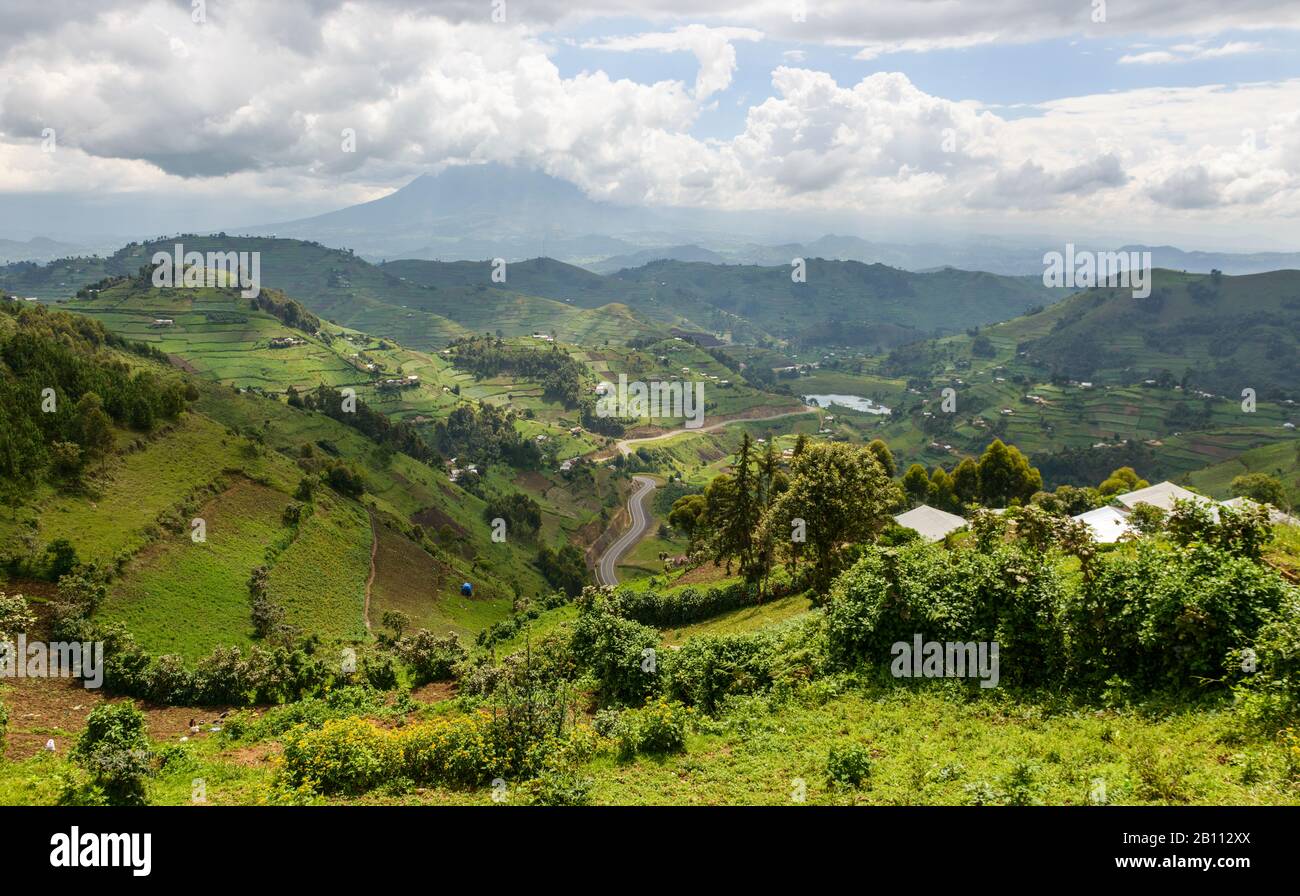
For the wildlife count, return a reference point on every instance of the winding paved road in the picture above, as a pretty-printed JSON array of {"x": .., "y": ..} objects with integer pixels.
[
  {"x": 605, "y": 568},
  {"x": 605, "y": 574}
]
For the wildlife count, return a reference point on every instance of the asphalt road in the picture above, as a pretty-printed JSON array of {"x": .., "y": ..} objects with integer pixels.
[{"x": 605, "y": 574}]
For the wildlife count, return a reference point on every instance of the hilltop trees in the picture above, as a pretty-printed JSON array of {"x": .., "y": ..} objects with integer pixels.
[
  {"x": 966, "y": 481},
  {"x": 1260, "y": 487},
  {"x": 62, "y": 392},
  {"x": 841, "y": 494},
  {"x": 1125, "y": 479},
  {"x": 1005, "y": 476},
  {"x": 916, "y": 484}
]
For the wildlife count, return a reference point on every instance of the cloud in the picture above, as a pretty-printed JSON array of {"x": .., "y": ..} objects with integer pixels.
[
  {"x": 1191, "y": 53},
  {"x": 712, "y": 48},
  {"x": 256, "y": 100}
]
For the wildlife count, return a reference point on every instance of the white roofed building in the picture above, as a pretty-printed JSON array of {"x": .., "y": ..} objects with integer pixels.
[
  {"x": 1108, "y": 524},
  {"x": 1162, "y": 495},
  {"x": 931, "y": 522}
]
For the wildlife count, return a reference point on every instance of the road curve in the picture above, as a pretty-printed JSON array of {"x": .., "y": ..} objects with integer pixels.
[{"x": 605, "y": 574}]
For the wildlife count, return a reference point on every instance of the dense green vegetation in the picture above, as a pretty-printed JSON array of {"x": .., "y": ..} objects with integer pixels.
[{"x": 270, "y": 514}]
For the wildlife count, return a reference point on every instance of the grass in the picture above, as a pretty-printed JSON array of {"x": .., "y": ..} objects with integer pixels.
[
  {"x": 117, "y": 514},
  {"x": 928, "y": 745},
  {"x": 745, "y": 619},
  {"x": 183, "y": 597},
  {"x": 931, "y": 748},
  {"x": 320, "y": 578},
  {"x": 412, "y": 581}
]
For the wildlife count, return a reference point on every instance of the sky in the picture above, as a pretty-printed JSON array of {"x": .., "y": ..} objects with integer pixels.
[{"x": 1161, "y": 121}]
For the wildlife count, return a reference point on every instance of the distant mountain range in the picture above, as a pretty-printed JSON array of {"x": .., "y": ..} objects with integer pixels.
[
  {"x": 38, "y": 249},
  {"x": 495, "y": 211}
]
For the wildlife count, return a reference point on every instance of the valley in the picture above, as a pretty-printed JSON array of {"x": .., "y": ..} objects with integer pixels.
[{"x": 459, "y": 510}]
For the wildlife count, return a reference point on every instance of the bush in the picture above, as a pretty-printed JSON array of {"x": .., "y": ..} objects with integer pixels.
[
  {"x": 554, "y": 787},
  {"x": 342, "y": 756},
  {"x": 658, "y": 728},
  {"x": 114, "y": 751},
  {"x": 15, "y": 616},
  {"x": 455, "y": 751},
  {"x": 430, "y": 657},
  {"x": 1169, "y": 618},
  {"x": 613, "y": 649},
  {"x": 848, "y": 766},
  {"x": 997, "y": 594},
  {"x": 683, "y": 607},
  {"x": 1269, "y": 689},
  {"x": 352, "y": 755}
]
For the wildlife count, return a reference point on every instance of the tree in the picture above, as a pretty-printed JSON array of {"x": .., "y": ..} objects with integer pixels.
[
  {"x": 93, "y": 427},
  {"x": 916, "y": 484},
  {"x": 114, "y": 750},
  {"x": 942, "y": 493},
  {"x": 689, "y": 515},
  {"x": 885, "y": 456},
  {"x": 1125, "y": 479},
  {"x": 966, "y": 481},
  {"x": 734, "y": 510},
  {"x": 15, "y": 616},
  {"x": 1006, "y": 476},
  {"x": 1260, "y": 487},
  {"x": 842, "y": 495},
  {"x": 62, "y": 558}
]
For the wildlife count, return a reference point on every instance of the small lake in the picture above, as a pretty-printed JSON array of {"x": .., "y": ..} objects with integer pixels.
[{"x": 853, "y": 402}]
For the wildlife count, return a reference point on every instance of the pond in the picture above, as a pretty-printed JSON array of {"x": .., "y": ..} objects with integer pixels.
[{"x": 853, "y": 402}]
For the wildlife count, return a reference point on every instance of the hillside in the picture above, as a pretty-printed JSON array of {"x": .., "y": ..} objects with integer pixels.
[
  {"x": 1102, "y": 379},
  {"x": 350, "y": 291},
  {"x": 842, "y": 302},
  {"x": 236, "y": 460}
]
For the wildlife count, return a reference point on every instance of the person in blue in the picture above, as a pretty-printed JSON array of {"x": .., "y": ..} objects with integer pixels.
[{"x": 467, "y": 590}]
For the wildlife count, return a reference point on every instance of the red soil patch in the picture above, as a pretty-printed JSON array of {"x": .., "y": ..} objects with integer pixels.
[
  {"x": 436, "y": 518},
  {"x": 45, "y": 708}
]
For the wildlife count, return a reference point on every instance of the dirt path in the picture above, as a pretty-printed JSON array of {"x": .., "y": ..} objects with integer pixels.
[
  {"x": 625, "y": 445},
  {"x": 374, "y": 549},
  {"x": 605, "y": 569}
]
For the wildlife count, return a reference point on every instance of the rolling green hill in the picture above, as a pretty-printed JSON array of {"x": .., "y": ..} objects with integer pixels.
[
  {"x": 842, "y": 302},
  {"x": 234, "y": 459},
  {"x": 1103, "y": 379},
  {"x": 350, "y": 291}
]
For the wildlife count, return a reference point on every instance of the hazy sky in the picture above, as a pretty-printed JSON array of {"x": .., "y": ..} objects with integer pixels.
[{"x": 1158, "y": 120}]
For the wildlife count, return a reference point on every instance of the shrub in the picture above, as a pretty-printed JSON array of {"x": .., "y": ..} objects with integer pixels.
[
  {"x": 658, "y": 728},
  {"x": 114, "y": 751},
  {"x": 1169, "y": 618},
  {"x": 15, "y": 616},
  {"x": 1269, "y": 689},
  {"x": 430, "y": 657},
  {"x": 998, "y": 594},
  {"x": 455, "y": 751},
  {"x": 342, "y": 756},
  {"x": 353, "y": 755},
  {"x": 848, "y": 766},
  {"x": 555, "y": 787},
  {"x": 683, "y": 607},
  {"x": 613, "y": 649}
]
